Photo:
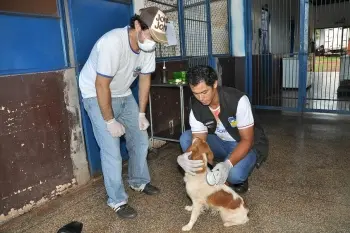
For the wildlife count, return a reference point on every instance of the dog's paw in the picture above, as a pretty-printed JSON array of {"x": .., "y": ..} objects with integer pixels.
[
  {"x": 188, "y": 227},
  {"x": 188, "y": 208}
]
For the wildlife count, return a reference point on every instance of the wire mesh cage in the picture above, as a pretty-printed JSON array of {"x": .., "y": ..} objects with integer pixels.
[
  {"x": 196, "y": 28},
  {"x": 169, "y": 7},
  {"x": 219, "y": 26},
  {"x": 198, "y": 45}
]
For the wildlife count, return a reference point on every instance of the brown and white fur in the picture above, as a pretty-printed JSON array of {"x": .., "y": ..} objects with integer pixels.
[{"x": 221, "y": 198}]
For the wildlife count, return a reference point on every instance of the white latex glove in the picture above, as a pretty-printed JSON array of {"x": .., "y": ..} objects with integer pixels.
[
  {"x": 143, "y": 122},
  {"x": 189, "y": 166},
  {"x": 219, "y": 173},
  {"x": 115, "y": 128}
]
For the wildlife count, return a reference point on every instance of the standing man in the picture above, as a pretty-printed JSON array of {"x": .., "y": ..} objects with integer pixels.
[
  {"x": 116, "y": 60},
  {"x": 223, "y": 117}
]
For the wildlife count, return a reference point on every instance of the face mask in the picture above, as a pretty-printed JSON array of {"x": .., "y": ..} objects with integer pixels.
[{"x": 147, "y": 44}]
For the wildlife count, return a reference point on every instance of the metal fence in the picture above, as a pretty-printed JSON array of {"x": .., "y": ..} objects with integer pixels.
[
  {"x": 197, "y": 32},
  {"x": 300, "y": 55},
  {"x": 202, "y": 28},
  {"x": 329, "y": 53},
  {"x": 275, "y": 53},
  {"x": 220, "y": 27}
]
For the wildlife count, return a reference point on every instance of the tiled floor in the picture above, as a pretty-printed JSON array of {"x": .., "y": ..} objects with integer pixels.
[{"x": 303, "y": 187}]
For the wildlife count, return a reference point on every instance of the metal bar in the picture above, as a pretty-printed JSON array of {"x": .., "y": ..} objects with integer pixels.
[
  {"x": 197, "y": 20},
  {"x": 345, "y": 112},
  {"x": 272, "y": 83},
  {"x": 326, "y": 99},
  {"x": 220, "y": 54},
  {"x": 248, "y": 48},
  {"x": 292, "y": 109},
  {"x": 163, "y": 3},
  {"x": 191, "y": 5},
  {"x": 151, "y": 117},
  {"x": 323, "y": 74},
  {"x": 182, "y": 28},
  {"x": 230, "y": 39},
  {"x": 166, "y": 139},
  {"x": 314, "y": 62},
  {"x": 182, "y": 109},
  {"x": 177, "y": 58},
  {"x": 64, "y": 31},
  {"x": 303, "y": 51},
  {"x": 209, "y": 33},
  {"x": 341, "y": 41},
  {"x": 336, "y": 70}
]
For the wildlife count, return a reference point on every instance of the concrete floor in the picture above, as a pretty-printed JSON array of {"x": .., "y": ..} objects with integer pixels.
[{"x": 303, "y": 187}]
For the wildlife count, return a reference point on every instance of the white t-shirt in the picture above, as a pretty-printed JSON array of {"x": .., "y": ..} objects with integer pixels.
[
  {"x": 113, "y": 57},
  {"x": 243, "y": 119}
]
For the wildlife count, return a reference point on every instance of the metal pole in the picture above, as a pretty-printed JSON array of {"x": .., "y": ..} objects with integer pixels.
[
  {"x": 151, "y": 117},
  {"x": 182, "y": 109},
  {"x": 210, "y": 48},
  {"x": 248, "y": 47},
  {"x": 303, "y": 53},
  {"x": 182, "y": 28}
]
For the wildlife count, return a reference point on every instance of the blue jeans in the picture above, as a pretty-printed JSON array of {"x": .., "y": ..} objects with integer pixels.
[
  {"x": 126, "y": 111},
  {"x": 222, "y": 150}
]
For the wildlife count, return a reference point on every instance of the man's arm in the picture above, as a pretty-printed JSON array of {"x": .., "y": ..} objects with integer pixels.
[
  {"x": 144, "y": 87},
  {"x": 104, "y": 97},
  {"x": 244, "y": 146},
  {"x": 245, "y": 125},
  {"x": 197, "y": 128}
]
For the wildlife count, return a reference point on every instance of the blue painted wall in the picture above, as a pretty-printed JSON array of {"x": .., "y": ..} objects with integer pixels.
[
  {"x": 236, "y": 13},
  {"x": 30, "y": 44},
  {"x": 90, "y": 19}
]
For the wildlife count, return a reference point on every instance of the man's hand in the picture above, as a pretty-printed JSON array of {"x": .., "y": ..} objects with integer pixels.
[
  {"x": 143, "y": 122},
  {"x": 219, "y": 173},
  {"x": 115, "y": 128},
  {"x": 189, "y": 166}
]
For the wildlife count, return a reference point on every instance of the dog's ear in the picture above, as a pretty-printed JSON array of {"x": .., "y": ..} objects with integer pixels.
[
  {"x": 209, "y": 153},
  {"x": 210, "y": 157},
  {"x": 205, "y": 158},
  {"x": 192, "y": 147}
]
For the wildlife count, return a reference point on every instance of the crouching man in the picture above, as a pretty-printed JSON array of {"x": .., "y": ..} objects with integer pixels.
[{"x": 223, "y": 117}]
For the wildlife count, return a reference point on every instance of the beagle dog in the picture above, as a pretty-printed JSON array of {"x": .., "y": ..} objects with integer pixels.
[{"x": 220, "y": 198}]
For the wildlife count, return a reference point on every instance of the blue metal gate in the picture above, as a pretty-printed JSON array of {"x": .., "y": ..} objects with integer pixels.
[
  {"x": 329, "y": 57},
  {"x": 85, "y": 32},
  {"x": 283, "y": 62}
]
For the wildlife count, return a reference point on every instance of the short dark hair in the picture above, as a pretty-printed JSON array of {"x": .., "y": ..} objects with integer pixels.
[
  {"x": 201, "y": 73},
  {"x": 137, "y": 17}
]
